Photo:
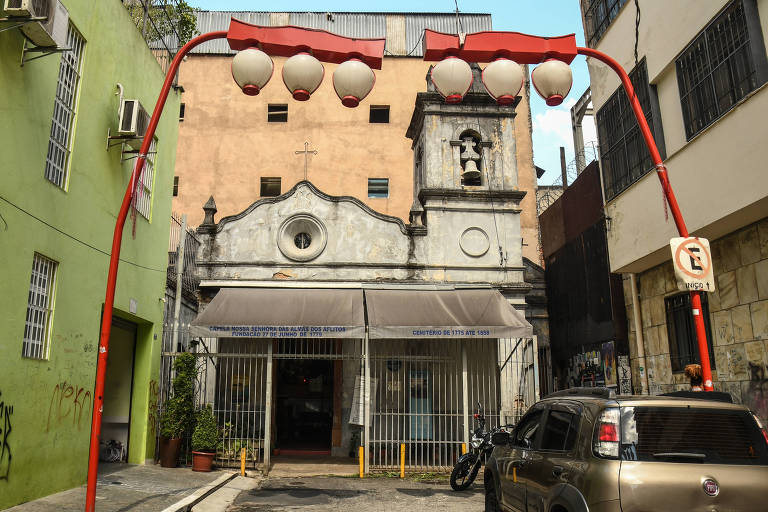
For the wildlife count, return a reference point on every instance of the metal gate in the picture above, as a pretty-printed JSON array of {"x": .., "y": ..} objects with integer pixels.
[{"x": 423, "y": 392}]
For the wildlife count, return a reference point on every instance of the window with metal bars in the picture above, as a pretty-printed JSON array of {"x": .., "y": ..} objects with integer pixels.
[
  {"x": 598, "y": 15},
  {"x": 683, "y": 344},
  {"x": 718, "y": 68},
  {"x": 378, "y": 187},
  {"x": 625, "y": 158},
  {"x": 270, "y": 186},
  {"x": 60, "y": 142},
  {"x": 143, "y": 202},
  {"x": 277, "y": 113},
  {"x": 37, "y": 328}
]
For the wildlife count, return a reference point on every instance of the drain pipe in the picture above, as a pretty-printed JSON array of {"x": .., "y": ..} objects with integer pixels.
[{"x": 638, "y": 320}]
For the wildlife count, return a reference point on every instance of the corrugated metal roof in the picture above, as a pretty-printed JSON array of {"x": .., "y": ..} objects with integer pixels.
[{"x": 349, "y": 24}]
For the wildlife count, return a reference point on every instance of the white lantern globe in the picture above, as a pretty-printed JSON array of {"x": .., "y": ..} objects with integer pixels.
[
  {"x": 353, "y": 80},
  {"x": 452, "y": 78},
  {"x": 252, "y": 69},
  {"x": 552, "y": 79},
  {"x": 503, "y": 79},
  {"x": 302, "y": 75}
]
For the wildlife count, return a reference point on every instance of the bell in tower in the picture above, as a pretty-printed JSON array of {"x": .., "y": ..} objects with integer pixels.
[{"x": 469, "y": 162}]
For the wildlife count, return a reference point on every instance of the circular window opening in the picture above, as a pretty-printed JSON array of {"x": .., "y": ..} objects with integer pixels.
[{"x": 302, "y": 240}]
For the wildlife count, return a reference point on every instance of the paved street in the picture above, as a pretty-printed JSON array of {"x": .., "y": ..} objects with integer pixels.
[
  {"x": 124, "y": 487},
  {"x": 343, "y": 493}
]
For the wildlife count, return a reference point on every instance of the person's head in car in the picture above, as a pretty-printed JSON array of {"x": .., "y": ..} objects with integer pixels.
[{"x": 693, "y": 372}]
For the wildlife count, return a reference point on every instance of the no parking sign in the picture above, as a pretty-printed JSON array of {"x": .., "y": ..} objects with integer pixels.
[{"x": 692, "y": 260}]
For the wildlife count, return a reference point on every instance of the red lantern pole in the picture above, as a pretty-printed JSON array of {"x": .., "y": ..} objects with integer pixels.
[
  {"x": 661, "y": 172},
  {"x": 114, "y": 260}
]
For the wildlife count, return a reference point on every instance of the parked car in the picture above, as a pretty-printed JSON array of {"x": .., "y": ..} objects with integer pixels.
[{"x": 586, "y": 449}]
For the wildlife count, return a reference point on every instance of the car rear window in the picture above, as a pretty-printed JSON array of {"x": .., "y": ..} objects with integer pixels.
[{"x": 691, "y": 435}]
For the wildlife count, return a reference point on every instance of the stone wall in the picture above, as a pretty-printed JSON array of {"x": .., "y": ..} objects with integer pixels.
[{"x": 738, "y": 315}]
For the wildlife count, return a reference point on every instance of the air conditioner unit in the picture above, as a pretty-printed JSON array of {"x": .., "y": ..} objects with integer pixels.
[
  {"x": 48, "y": 33},
  {"x": 134, "y": 121}
]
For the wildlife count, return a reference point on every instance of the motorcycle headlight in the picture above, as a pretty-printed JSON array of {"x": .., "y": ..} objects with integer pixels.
[{"x": 476, "y": 442}]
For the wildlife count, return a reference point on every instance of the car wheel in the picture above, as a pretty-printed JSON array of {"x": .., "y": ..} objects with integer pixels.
[{"x": 491, "y": 500}]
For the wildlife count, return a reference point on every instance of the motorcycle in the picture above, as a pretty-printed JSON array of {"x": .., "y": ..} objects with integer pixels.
[{"x": 468, "y": 465}]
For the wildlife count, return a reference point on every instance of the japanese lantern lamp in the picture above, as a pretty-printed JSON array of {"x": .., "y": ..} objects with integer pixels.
[
  {"x": 252, "y": 69},
  {"x": 353, "y": 80},
  {"x": 452, "y": 77},
  {"x": 302, "y": 75},
  {"x": 552, "y": 79}
]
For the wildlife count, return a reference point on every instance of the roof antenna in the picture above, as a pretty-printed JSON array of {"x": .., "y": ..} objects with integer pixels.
[{"x": 459, "y": 29}]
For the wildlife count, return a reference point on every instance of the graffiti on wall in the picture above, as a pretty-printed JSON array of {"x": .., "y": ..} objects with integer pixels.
[
  {"x": 757, "y": 390},
  {"x": 154, "y": 394},
  {"x": 68, "y": 405},
  {"x": 6, "y": 411}
]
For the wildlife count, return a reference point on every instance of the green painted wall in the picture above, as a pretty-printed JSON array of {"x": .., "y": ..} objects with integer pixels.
[{"x": 45, "y": 405}]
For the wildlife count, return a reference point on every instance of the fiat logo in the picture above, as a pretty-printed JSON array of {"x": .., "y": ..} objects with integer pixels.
[{"x": 710, "y": 487}]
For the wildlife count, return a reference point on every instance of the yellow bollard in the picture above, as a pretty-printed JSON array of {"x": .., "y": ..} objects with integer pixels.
[
  {"x": 242, "y": 462},
  {"x": 402, "y": 460},
  {"x": 361, "y": 453},
  {"x": 463, "y": 448}
]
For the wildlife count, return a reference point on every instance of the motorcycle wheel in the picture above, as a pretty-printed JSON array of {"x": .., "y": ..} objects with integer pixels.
[{"x": 463, "y": 475}]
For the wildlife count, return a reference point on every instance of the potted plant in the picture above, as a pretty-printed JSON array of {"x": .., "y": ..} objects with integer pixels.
[
  {"x": 179, "y": 410},
  {"x": 205, "y": 440}
]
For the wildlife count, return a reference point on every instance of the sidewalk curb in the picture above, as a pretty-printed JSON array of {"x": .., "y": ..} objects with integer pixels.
[{"x": 186, "y": 504}]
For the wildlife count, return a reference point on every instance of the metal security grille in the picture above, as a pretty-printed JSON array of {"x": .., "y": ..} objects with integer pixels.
[
  {"x": 418, "y": 399},
  {"x": 625, "y": 158},
  {"x": 598, "y": 15},
  {"x": 683, "y": 345},
  {"x": 716, "y": 70},
  {"x": 143, "y": 202},
  {"x": 60, "y": 142},
  {"x": 39, "y": 308}
]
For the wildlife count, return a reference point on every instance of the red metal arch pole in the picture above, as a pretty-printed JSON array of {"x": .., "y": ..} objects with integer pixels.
[
  {"x": 114, "y": 260},
  {"x": 661, "y": 172}
]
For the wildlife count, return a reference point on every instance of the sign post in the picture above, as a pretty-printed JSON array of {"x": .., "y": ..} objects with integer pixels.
[{"x": 692, "y": 261}]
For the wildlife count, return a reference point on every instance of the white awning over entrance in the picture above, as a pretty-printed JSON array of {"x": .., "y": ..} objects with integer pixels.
[
  {"x": 466, "y": 313},
  {"x": 282, "y": 313}
]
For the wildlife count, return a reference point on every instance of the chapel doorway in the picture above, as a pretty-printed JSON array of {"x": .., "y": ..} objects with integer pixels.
[{"x": 304, "y": 406}]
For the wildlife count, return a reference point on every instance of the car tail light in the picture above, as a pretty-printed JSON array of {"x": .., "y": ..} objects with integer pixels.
[
  {"x": 606, "y": 438},
  {"x": 762, "y": 428}
]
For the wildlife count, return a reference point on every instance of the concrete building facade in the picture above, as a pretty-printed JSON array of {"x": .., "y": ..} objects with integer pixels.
[
  {"x": 237, "y": 147},
  {"x": 386, "y": 368},
  {"x": 702, "y": 87},
  {"x": 60, "y": 190}
]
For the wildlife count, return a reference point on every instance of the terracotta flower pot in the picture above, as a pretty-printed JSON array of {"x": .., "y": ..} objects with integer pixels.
[
  {"x": 169, "y": 451},
  {"x": 202, "y": 461}
]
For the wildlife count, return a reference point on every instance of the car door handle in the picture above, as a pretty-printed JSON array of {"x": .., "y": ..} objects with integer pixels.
[{"x": 557, "y": 471}]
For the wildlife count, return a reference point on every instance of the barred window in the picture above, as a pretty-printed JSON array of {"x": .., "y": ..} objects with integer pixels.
[
  {"x": 716, "y": 70},
  {"x": 60, "y": 141},
  {"x": 37, "y": 329},
  {"x": 598, "y": 15},
  {"x": 143, "y": 203},
  {"x": 378, "y": 187},
  {"x": 683, "y": 344},
  {"x": 625, "y": 157}
]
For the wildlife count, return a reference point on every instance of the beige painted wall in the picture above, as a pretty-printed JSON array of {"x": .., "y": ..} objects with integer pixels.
[
  {"x": 718, "y": 176},
  {"x": 226, "y": 145}
]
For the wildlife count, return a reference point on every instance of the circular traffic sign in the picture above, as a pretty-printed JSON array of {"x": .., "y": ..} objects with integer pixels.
[{"x": 704, "y": 265}]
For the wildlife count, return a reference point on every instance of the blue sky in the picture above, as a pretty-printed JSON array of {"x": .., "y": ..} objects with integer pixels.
[{"x": 551, "y": 126}]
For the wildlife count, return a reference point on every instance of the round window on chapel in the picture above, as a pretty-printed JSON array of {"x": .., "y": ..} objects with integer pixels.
[{"x": 302, "y": 240}]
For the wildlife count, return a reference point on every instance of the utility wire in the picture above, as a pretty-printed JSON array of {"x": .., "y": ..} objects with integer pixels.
[{"x": 77, "y": 239}]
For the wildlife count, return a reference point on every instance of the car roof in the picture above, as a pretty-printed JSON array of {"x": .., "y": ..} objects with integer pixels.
[{"x": 647, "y": 400}]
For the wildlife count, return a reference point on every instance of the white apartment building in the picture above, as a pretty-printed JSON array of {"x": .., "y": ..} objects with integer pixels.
[{"x": 700, "y": 71}]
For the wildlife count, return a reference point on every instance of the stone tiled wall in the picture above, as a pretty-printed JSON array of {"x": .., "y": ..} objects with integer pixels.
[{"x": 738, "y": 316}]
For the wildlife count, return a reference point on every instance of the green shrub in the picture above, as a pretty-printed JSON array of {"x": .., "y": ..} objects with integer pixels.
[
  {"x": 179, "y": 411},
  {"x": 205, "y": 438}
]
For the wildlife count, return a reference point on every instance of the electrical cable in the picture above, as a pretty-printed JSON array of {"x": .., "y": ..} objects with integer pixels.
[
  {"x": 637, "y": 27},
  {"x": 77, "y": 239}
]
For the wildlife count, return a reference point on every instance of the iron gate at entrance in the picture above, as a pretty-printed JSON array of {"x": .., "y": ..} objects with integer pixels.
[{"x": 417, "y": 389}]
